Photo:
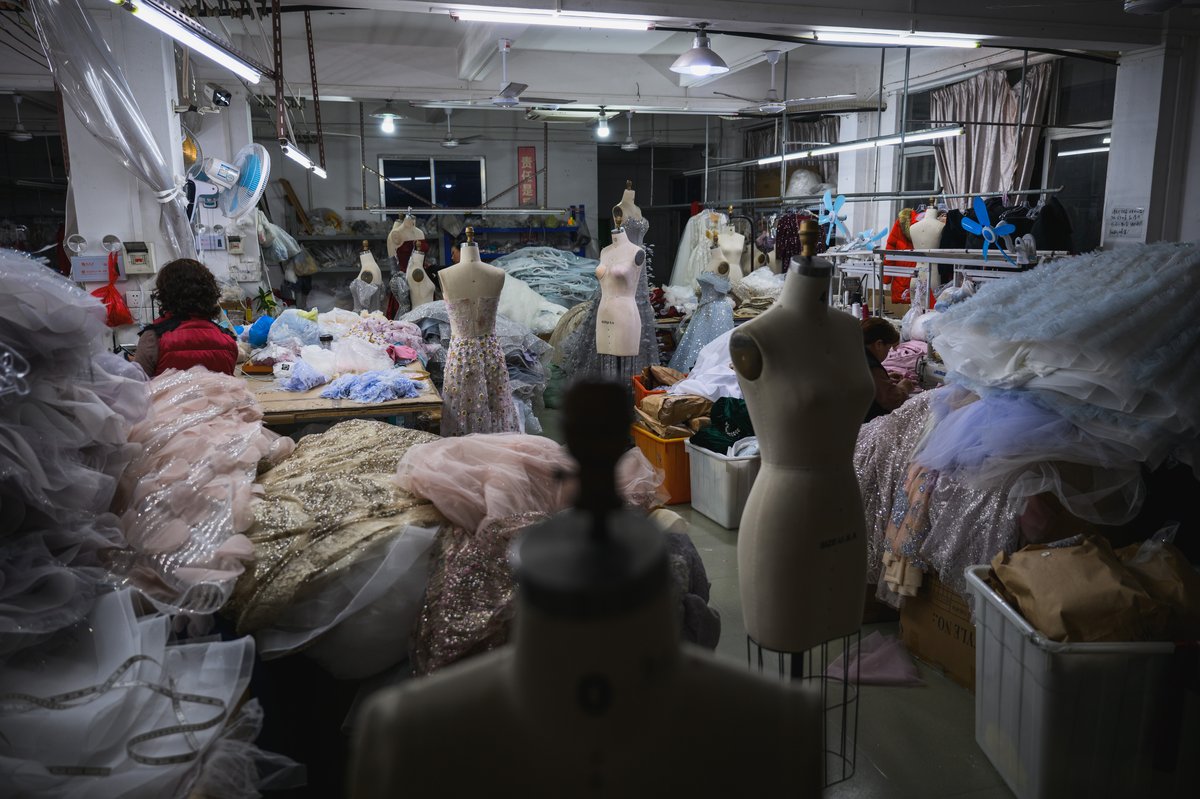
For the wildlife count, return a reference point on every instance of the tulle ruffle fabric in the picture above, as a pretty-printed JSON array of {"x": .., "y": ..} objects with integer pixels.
[
  {"x": 65, "y": 412},
  {"x": 123, "y": 732},
  {"x": 692, "y": 256},
  {"x": 185, "y": 501},
  {"x": 475, "y": 480}
]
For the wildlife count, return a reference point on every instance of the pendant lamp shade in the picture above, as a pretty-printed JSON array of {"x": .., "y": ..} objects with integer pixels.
[
  {"x": 700, "y": 60},
  {"x": 388, "y": 110}
]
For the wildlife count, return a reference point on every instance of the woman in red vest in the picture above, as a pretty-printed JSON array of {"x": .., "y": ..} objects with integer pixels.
[{"x": 185, "y": 335}]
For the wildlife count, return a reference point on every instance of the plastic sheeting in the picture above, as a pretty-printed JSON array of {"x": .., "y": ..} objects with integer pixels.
[{"x": 96, "y": 90}]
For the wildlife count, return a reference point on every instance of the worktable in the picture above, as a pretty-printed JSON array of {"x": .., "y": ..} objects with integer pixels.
[{"x": 305, "y": 407}]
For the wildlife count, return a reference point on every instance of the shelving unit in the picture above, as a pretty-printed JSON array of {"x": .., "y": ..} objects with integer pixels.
[
  {"x": 378, "y": 249},
  {"x": 537, "y": 236}
]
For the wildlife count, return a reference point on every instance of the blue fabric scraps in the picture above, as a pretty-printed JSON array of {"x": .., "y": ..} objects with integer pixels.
[
  {"x": 301, "y": 378},
  {"x": 371, "y": 387}
]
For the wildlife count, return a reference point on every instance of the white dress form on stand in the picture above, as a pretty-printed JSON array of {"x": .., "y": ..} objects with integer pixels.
[
  {"x": 802, "y": 550},
  {"x": 927, "y": 235},
  {"x": 618, "y": 321},
  {"x": 403, "y": 230},
  {"x": 471, "y": 278},
  {"x": 627, "y": 207},
  {"x": 594, "y": 685},
  {"x": 367, "y": 264},
  {"x": 420, "y": 286}
]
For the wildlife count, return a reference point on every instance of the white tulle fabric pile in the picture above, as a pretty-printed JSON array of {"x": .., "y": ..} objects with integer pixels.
[
  {"x": 66, "y": 407},
  {"x": 186, "y": 499},
  {"x": 692, "y": 256},
  {"x": 1088, "y": 361}
]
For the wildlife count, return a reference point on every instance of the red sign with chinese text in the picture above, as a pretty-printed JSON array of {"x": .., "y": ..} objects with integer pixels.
[{"x": 527, "y": 176}]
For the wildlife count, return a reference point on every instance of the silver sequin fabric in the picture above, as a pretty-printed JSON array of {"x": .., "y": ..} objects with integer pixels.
[
  {"x": 321, "y": 508},
  {"x": 712, "y": 317},
  {"x": 475, "y": 391},
  {"x": 966, "y": 526}
]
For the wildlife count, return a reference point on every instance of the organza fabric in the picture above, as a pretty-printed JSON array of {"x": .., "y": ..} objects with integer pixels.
[
  {"x": 712, "y": 317},
  {"x": 123, "y": 733},
  {"x": 186, "y": 499},
  {"x": 692, "y": 255},
  {"x": 525, "y": 306}
]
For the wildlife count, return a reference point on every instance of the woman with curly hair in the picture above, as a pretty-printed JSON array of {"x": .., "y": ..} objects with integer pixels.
[{"x": 185, "y": 335}]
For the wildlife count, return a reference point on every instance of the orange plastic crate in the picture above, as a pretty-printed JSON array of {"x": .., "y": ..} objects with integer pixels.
[
  {"x": 640, "y": 392},
  {"x": 669, "y": 455}
]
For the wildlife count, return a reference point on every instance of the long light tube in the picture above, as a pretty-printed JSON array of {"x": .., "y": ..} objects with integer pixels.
[
  {"x": 300, "y": 157},
  {"x": 161, "y": 21},
  {"x": 1087, "y": 151},
  {"x": 866, "y": 144},
  {"x": 553, "y": 19},
  {"x": 898, "y": 39}
]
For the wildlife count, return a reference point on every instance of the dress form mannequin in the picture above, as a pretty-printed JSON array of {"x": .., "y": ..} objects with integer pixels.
[
  {"x": 628, "y": 209},
  {"x": 367, "y": 263},
  {"x": 420, "y": 287},
  {"x": 618, "y": 321},
  {"x": 403, "y": 231},
  {"x": 927, "y": 235},
  {"x": 595, "y": 685},
  {"x": 367, "y": 289},
  {"x": 723, "y": 259},
  {"x": 801, "y": 547},
  {"x": 471, "y": 278}
]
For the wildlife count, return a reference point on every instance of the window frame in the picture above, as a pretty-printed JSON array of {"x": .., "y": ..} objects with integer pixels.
[{"x": 433, "y": 159}]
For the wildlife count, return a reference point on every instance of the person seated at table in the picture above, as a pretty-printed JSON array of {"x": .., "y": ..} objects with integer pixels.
[
  {"x": 186, "y": 335},
  {"x": 880, "y": 338}
]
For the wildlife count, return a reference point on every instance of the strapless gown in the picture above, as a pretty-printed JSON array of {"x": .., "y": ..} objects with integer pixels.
[{"x": 476, "y": 397}]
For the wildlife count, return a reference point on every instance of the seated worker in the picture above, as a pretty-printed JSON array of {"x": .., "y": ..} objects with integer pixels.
[
  {"x": 185, "y": 335},
  {"x": 880, "y": 338}
]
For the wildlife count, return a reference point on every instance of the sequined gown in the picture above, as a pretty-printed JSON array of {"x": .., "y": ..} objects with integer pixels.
[
  {"x": 475, "y": 391},
  {"x": 711, "y": 318}
]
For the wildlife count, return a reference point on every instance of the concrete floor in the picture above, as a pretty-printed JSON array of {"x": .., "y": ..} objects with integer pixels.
[{"x": 912, "y": 742}]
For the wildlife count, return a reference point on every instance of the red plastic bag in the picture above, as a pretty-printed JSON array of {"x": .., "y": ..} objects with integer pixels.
[{"x": 118, "y": 311}]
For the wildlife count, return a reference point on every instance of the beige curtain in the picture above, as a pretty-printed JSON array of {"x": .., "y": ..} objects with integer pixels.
[
  {"x": 989, "y": 158},
  {"x": 760, "y": 143}
]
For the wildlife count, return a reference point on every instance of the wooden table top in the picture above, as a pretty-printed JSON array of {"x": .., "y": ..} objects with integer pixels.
[{"x": 300, "y": 407}]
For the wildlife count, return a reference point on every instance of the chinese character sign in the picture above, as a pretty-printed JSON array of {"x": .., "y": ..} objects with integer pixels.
[{"x": 526, "y": 176}]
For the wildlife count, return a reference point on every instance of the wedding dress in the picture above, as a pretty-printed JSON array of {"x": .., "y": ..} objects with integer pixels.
[{"x": 475, "y": 393}]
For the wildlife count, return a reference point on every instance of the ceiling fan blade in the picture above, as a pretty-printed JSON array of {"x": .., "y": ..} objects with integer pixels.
[
  {"x": 738, "y": 97},
  {"x": 545, "y": 101},
  {"x": 469, "y": 139},
  {"x": 513, "y": 90}
]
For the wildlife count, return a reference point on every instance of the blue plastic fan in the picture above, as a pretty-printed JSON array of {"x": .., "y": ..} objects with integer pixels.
[
  {"x": 254, "y": 167},
  {"x": 991, "y": 235},
  {"x": 830, "y": 215}
]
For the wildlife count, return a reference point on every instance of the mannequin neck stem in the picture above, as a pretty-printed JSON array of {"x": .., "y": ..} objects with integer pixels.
[
  {"x": 804, "y": 292},
  {"x": 619, "y": 237}
]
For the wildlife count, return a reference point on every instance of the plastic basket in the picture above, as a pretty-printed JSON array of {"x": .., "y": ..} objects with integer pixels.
[
  {"x": 669, "y": 455},
  {"x": 640, "y": 392},
  {"x": 1066, "y": 720},
  {"x": 720, "y": 484}
]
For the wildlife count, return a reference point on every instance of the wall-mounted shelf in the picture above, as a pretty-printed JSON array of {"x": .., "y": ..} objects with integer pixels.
[{"x": 539, "y": 236}]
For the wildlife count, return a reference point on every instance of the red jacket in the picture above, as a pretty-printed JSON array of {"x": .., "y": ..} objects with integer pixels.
[
  {"x": 191, "y": 342},
  {"x": 898, "y": 240}
]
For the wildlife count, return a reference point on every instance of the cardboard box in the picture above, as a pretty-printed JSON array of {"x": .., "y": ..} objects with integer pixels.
[{"x": 936, "y": 626}]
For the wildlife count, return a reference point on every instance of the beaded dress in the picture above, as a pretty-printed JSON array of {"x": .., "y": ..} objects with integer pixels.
[{"x": 475, "y": 392}]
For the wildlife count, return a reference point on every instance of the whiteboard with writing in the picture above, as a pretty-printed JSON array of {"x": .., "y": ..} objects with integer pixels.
[{"x": 1126, "y": 222}]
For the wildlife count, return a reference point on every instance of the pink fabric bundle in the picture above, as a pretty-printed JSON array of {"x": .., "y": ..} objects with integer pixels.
[
  {"x": 477, "y": 479},
  {"x": 903, "y": 359},
  {"x": 878, "y": 660},
  {"x": 187, "y": 497}
]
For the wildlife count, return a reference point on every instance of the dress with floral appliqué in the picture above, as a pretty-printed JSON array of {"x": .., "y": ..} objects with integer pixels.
[{"x": 475, "y": 392}]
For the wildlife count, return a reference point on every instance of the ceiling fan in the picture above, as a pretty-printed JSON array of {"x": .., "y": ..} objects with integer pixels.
[
  {"x": 509, "y": 96},
  {"x": 451, "y": 140},
  {"x": 771, "y": 104}
]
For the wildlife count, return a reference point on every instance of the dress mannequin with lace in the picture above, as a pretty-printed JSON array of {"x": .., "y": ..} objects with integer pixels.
[
  {"x": 618, "y": 320},
  {"x": 802, "y": 550},
  {"x": 420, "y": 287},
  {"x": 476, "y": 397},
  {"x": 594, "y": 684}
]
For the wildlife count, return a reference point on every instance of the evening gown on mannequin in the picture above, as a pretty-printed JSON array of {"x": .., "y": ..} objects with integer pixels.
[
  {"x": 711, "y": 318},
  {"x": 475, "y": 393},
  {"x": 581, "y": 360}
]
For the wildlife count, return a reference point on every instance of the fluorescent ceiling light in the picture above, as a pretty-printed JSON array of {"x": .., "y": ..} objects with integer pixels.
[
  {"x": 897, "y": 39},
  {"x": 553, "y": 19},
  {"x": 170, "y": 22},
  {"x": 866, "y": 144},
  {"x": 1088, "y": 151},
  {"x": 300, "y": 157},
  {"x": 700, "y": 60}
]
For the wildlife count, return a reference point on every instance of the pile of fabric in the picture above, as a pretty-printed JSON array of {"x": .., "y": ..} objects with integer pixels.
[
  {"x": 562, "y": 277},
  {"x": 757, "y": 292},
  {"x": 691, "y": 257},
  {"x": 492, "y": 488},
  {"x": 524, "y": 356},
  {"x": 1056, "y": 403},
  {"x": 79, "y": 653}
]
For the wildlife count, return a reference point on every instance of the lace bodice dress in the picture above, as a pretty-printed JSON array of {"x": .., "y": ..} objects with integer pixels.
[{"x": 475, "y": 393}]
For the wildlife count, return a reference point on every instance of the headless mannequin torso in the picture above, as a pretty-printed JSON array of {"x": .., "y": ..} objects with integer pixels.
[
  {"x": 471, "y": 278},
  {"x": 801, "y": 546},
  {"x": 420, "y": 287},
  {"x": 927, "y": 235},
  {"x": 618, "y": 322},
  {"x": 402, "y": 231},
  {"x": 594, "y": 696}
]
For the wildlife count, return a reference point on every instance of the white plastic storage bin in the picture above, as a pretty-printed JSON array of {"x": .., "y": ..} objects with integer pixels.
[
  {"x": 721, "y": 484},
  {"x": 1080, "y": 720}
]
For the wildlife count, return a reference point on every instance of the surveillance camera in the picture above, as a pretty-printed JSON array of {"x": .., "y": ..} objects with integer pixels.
[{"x": 216, "y": 95}]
